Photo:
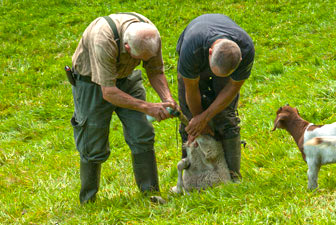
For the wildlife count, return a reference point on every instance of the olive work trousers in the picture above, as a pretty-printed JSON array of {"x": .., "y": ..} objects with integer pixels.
[{"x": 92, "y": 116}]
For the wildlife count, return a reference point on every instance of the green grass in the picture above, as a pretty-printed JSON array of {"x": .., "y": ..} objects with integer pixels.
[{"x": 295, "y": 63}]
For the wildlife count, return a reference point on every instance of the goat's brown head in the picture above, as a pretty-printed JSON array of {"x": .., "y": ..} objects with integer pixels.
[{"x": 283, "y": 114}]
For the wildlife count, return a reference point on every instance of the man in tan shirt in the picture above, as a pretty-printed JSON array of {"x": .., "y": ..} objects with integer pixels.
[{"x": 106, "y": 82}]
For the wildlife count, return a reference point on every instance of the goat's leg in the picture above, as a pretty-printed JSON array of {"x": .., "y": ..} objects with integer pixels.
[
  {"x": 183, "y": 164},
  {"x": 313, "y": 169}
]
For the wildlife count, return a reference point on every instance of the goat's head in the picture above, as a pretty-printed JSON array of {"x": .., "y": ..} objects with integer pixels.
[{"x": 284, "y": 113}]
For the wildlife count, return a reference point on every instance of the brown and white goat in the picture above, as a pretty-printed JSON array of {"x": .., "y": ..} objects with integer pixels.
[{"x": 288, "y": 118}]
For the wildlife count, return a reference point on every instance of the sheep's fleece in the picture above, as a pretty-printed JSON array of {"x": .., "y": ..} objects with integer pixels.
[{"x": 204, "y": 165}]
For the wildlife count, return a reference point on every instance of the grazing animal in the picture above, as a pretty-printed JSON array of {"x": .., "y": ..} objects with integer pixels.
[
  {"x": 203, "y": 167},
  {"x": 327, "y": 141},
  {"x": 288, "y": 118}
]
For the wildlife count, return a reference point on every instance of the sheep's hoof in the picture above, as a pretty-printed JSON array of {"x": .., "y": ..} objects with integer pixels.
[
  {"x": 157, "y": 199},
  {"x": 312, "y": 188},
  {"x": 176, "y": 190}
]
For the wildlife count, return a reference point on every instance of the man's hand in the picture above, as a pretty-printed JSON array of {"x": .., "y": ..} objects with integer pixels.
[
  {"x": 198, "y": 125},
  {"x": 159, "y": 111},
  {"x": 206, "y": 130},
  {"x": 173, "y": 102}
]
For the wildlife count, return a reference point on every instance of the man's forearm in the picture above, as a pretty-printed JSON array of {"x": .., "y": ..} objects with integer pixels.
[
  {"x": 223, "y": 99},
  {"x": 121, "y": 99},
  {"x": 160, "y": 85},
  {"x": 194, "y": 102}
]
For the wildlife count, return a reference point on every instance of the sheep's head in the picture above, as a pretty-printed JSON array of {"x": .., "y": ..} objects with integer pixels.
[
  {"x": 206, "y": 146},
  {"x": 284, "y": 114}
]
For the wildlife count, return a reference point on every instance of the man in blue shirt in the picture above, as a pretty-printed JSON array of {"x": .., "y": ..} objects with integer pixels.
[{"x": 215, "y": 58}]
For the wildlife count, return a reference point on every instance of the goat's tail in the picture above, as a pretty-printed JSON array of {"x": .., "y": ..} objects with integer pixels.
[{"x": 323, "y": 140}]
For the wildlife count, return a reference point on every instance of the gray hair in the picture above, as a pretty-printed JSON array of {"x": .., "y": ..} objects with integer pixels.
[
  {"x": 226, "y": 56},
  {"x": 142, "y": 37}
]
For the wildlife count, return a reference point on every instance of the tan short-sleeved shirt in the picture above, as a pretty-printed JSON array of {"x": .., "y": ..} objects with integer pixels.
[{"x": 97, "y": 52}]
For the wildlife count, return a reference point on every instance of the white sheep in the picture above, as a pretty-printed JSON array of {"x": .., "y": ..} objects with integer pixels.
[
  {"x": 203, "y": 167},
  {"x": 302, "y": 131}
]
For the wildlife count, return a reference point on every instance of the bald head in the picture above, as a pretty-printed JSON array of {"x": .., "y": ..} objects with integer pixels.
[
  {"x": 142, "y": 39},
  {"x": 225, "y": 56}
]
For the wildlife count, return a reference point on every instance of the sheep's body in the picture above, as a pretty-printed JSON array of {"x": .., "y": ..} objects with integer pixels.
[
  {"x": 306, "y": 135},
  {"x": 204, "y": 165}
]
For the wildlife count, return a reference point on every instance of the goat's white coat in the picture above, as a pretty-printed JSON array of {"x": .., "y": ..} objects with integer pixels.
[{"x": 318, "y": 155}]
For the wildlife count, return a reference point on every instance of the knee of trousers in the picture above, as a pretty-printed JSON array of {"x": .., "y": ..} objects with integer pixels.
[
  {"x": 226, "y": 125},
  {"x": 91, "y": 141},
  {"x": 140, "y": 142}
]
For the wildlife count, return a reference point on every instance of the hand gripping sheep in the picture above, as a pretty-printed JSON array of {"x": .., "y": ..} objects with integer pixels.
[
  {"x": 203, "y": 167},
  {"x": 317, "y": 143}
]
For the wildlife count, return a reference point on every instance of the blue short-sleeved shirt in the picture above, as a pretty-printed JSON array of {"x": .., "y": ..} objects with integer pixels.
[{"x": 196, "y": 39}]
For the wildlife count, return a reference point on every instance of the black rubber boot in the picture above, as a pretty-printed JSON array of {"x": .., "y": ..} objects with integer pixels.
[
  {"x": 232, "y": 152},
  {"x": 145, "y": 171},
  {"x": 90, "y": 176}
]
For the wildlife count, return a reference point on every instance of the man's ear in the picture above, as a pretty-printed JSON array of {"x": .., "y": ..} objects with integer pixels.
[
  {"x": 127, "y": 47},
  {"x": 210, "y": 51}
]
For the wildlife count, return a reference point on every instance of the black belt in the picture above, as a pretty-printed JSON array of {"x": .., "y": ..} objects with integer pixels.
[
  {"x": 77, "y": 76},
  {"x": 87, "y": 79},
  {"x": 82, "y": 78}
]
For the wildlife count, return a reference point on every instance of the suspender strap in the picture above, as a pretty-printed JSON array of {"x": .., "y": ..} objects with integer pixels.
[
  {"x": 133, "y": 14},
  {"x": 115, "y": 30}
]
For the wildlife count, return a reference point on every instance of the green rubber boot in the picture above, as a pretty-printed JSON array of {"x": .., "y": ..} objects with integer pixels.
[
  {"x": 90, "y": 176},
  {"x": 145, "y": 171},
  {"x": 232, "y": 152}
]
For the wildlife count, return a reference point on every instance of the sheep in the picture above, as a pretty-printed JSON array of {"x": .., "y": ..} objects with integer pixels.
[
  {"x": 288, "y": 118},
  {"x": 204, "y": 166}
]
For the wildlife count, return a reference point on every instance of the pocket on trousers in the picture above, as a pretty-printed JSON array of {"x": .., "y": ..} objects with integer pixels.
[{"x": 79, "y": 130}]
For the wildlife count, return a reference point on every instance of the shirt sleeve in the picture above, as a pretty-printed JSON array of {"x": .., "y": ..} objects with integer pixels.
[
  {"x": 244, "y": 69},
  {"x": 154, "y": 65},
  {"x": 189, "y": 63}
]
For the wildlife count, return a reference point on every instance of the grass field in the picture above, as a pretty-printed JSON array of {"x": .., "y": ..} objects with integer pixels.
[{"x": 39, "y": 166}]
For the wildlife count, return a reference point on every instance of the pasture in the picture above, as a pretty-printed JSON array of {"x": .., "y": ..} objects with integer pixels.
[{"x": 295, "y": 63}]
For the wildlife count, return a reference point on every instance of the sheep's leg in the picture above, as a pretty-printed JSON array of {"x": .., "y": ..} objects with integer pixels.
[
  {"x": 183, "y": 164},
  {"x": 313, "y": 169}
]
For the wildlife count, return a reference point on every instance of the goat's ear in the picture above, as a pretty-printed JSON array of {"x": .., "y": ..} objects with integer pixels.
[
  {"x": 297, "y": 111},
  {"x": 277, "y": 121}
]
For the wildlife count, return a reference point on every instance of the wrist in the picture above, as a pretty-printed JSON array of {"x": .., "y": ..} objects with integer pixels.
[
  {"x": 146, "y": 107},
  {"x": 167, "y": 99},
  {"x": 206, "y": 116}
]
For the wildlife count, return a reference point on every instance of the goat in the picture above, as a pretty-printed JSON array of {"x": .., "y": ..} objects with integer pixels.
[
  {"x": 204, "y": 166},
  {"x": 288, "y": 118},
  {"x": 328, "y": 141}
]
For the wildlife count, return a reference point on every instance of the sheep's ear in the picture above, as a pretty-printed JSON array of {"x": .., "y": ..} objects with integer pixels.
[
  {"x": 277, "y": 121},
  {"x": 195, "y": 144}
]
